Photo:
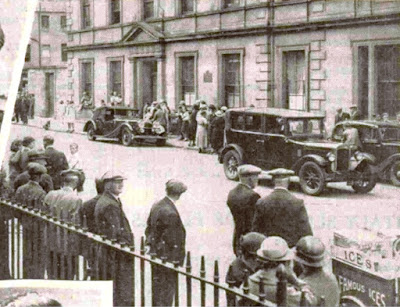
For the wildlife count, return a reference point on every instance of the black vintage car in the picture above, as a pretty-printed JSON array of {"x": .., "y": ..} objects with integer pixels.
[
  {"x": 272, "y": 138},
  {"x": 123, "y": 124},
  {"x": 382, "y": 139}
]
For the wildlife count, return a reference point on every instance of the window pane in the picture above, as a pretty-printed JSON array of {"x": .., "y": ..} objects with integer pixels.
[
  {"x": 63, "y": 22},
  {"x": 115, "y": 11},
  {"x": 45, "y": 22},
  {"x": 28, "y": 53},
  {"x": 64, "y": 55},
  {"x": 148, "y": 9},
  {"x": 46, "y": 52},
  {"x": 363, "y": 80},
  {"x": 232, "y": 80},
  {"x": 116, "y": 77},
  {"x": 187, "y": 78},
  {"x": 187, "y": 6},
  {"x": 231, "y": 3},
  {"x": 86, "y": 21},
  {"x": 294, "y": 82},
  {"x": 87, "y": 81}
]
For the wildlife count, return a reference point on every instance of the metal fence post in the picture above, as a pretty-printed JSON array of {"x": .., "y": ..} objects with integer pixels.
[
  {"x": 281, "y": 285},
  {"x": 142, "y": 273},
  {"x": 188, "y": 281},
  {"x": 202, "y": 283},
  {"x": 216, "y": 280}
]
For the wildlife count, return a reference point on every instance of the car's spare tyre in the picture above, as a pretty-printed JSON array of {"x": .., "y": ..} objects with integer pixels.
[
  {"x": 91, "y": 132},
  {"x": 126, "y": 137},
  {"x": 312, "y": 178},
  {"x": 366, "y": 179},
  {"x": 394, "y": 173},
  {"x": 231, "y": 162}
]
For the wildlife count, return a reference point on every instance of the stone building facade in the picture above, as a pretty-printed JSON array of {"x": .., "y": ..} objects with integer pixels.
[
  {"x": 45, "y": 71},
  {"x": 312, "y": 55}
]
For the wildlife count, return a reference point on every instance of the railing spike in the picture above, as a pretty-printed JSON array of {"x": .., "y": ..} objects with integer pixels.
[
  {"x": 303, "y": 301},
  {"x": 246, "y": 289},
  {"x": 216, "y": 271},
  {"x": 84, "y": 223},
  {"x": 281, "y": 285},
  {"x": 163, "y": 252},
  {"x": 142, "y": 250},
  {"x": 230, "y": 282},
  {"x": 261, "y": 292},
  {"x": 175, "y": 253},
  {"x": 113, "y": 234},
  {"x": 188, "y": 262},
  {"x": 203, "y": 267}
]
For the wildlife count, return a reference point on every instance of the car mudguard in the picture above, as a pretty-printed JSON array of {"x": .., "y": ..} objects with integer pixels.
[
  {"x": 321, "y": 161},
  {"x": 370, "y": 158},
  {"x": 387, "y": 162},
  {"x": 90, "y": 122},
  {"x": 228, "y": 147}
]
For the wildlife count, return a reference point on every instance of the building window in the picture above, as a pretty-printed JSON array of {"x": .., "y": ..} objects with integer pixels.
[
  {"x": 87, "y": 78},
  {"x": 64, "y": 53},
  {"x": 46, "y": 56},
  {"x": 28, "y": 54},
  {"x": 86, "y": 19},
  {"x": 63, "y": 22},
  {"x": 115, "y": 75},
  {"x": 231, "y": 80},
  {"x": 363, "y": 80},
  {"x": 294, "y": 80},
  {"x": 230, "y": 3},
  {"x": 187, "y": 6},
  {"x": 187, "y": 79},
  {"x": 115, "y": 11},
  {"x": 387, "y": 59},
  {"x": 45, "y": 22},
  {"x": 148, "y": 8}
]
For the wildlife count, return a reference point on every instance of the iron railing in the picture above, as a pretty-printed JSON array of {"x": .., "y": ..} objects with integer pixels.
[{"x": 36, "y": 245}]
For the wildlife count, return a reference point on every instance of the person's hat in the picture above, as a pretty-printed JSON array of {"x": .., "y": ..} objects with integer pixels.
[
  {"x": 175, "y": 187},
  {"x": 219, "y": 113},
  {"x": 70, "y": 172},
  {"x": 248, "y": 170},
  {"x": 251, "y": 242},
  {"x": 203, "y": 107},
  {"x": 274, "y": 249},
  {"x": 223, "y": 108},
  {"x": 36, "y": 169},
  {"x": 27, "y": 140},
  {"x": 182, "y": 103},
  {"x": 310, "y": 251},
  {"x": 112, "y": 176},
  {"x": 34, "y": 155},
  {"x": 353, "y": 107},
  {"x": 48, "y": 138},
  {"x": 280, "y": 173},
  {"x": 154, "y": 103}
]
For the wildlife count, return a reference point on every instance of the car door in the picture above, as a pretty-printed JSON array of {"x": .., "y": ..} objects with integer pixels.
[
  {"x": 254, "y": 138},
  {"x": 371, "y": 141},
  {"x": 275, "y": 146},
  {"x": 109, "y": 122}
]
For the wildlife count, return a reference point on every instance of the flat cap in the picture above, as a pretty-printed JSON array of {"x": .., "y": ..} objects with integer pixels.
[
  {"x": 27, "y": 140},
  {"x": 353, "y": 107},
  {"x": 248, "y": 170},
  {"x": 112, "y": 175},
  {"x": 175, "y": 186},
  {"x": 251, "y": 242},
  {"x": 70, "y": 172},
  {"x": 36, "y": 169},
  {"x": 281, "y": 173}
]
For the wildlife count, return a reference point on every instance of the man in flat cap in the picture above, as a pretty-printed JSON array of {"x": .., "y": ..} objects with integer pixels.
[
  {"x": 111, "y": 221},
  {"x": 57, "y": 161},
  {"x": 281, "y": 213},
  {"x": 242, "y": 201},
  {"x": 45, "y": 180},
  {"x": 32, "y": 194},
  {"x": 65, "y": 205},
  {"x": 166, "y": 236},
  {"x": 28, "y": 144}
]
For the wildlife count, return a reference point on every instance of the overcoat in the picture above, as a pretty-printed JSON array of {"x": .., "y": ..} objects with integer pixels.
[
  {"x": 242, "y": 203},
  {"x": 30, "y": 193},
  {"x": 282, "y": 214},
  {"x": 45, "y": 181},
  {"x": 165, "y": 225},
  {"x": 57, "y": 162}
]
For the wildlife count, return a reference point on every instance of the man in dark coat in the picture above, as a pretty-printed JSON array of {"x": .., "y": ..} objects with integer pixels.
[
  {"x": 166, "y": 236},
  {"x": 111, "y": 221},
  {"x": 88, "y": 207},
  {"x": 28, "y": 144},
  {"x": 32, "y": 195},
  {"x": 280, "y": 213},
  {"x": 56, "y": 161},
  {"x": 242, "y": 201},
  {"x": 217, "y": 131}
]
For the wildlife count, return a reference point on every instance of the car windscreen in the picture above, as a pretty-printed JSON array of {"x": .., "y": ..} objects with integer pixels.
[
  {"x": 390, "y": 134},
  {"x": 305, "y": 126}
]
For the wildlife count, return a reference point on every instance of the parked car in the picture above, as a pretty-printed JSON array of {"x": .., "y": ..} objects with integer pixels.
[
  {"x": 272, "y": 138},
  {"x": 382, "y": 139},
  {"x": 123, "y": 124}
]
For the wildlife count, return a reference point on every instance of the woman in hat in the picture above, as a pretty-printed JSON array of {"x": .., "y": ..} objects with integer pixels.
[
  {"x": 201, "y": 133},
  {"x": 217, "y": 131}
]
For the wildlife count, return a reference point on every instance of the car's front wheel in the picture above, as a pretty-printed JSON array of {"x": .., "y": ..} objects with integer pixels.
[
  {"x": 232, "y": 161},
  {"x": 366, "y": 179},
  {"x": 126, "y": 137},
  {"x": 91, "y": 133},
  {"x": 312, "y": 178},
  {"x": 394, "y": 173}
]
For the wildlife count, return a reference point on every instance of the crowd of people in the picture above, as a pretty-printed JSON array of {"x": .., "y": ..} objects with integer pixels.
[
  {"x": 24, "y": 107},
  {"x": 354, "y": 114}
]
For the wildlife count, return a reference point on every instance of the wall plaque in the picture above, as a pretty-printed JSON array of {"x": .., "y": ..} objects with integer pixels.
[{"x": 208, "y": 77}]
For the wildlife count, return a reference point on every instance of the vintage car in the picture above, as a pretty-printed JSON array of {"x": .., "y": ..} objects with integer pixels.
[
  {"x": 273, "y": 138},
  {"x": 382, "y": 139},
  {"x": 123, "y": 124}
]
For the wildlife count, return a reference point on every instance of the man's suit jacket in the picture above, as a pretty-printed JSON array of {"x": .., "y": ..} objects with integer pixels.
[
  {"x": 108, "y": 212},
  {"x": 242, "y": 203},
  {"x": 64, "y": 204},
  {"x": 45, "y": 181},
  {"x": 281, "y": 214},
  {"x": 87, "y": 210},
  {"x": 56, "y": 163},
  {"x": 165, "y": 225},
  {"x": 31, "y": 193}
]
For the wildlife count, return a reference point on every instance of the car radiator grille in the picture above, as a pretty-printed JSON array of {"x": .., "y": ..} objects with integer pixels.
[{"x": 342, "y": 159}]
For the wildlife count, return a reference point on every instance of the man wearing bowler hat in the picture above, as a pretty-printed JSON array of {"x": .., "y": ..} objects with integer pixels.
[
  {"x": 273, "y": 252},
  {"x": 242, "y": 201},
  {"x": 111, "y": 221},
  {"x": 310, "y": 255},
  {"x": 166, "y": 236},
  {"x": 281, "y": 213}
]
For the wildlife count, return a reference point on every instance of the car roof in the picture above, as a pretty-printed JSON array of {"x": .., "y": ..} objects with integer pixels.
[
  {"x": 371, "y": 123},
  {"x": 285, "y": 113}
]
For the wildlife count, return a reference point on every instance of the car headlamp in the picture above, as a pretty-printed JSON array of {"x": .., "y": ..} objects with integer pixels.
[
  {"x": 331, "y": 157},
  {"x": 358, "y": 155}
]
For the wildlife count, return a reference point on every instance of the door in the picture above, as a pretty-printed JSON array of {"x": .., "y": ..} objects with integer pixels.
[
  {"x": 146, "y": 82},
  {"x": 49, "y": 94}
]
